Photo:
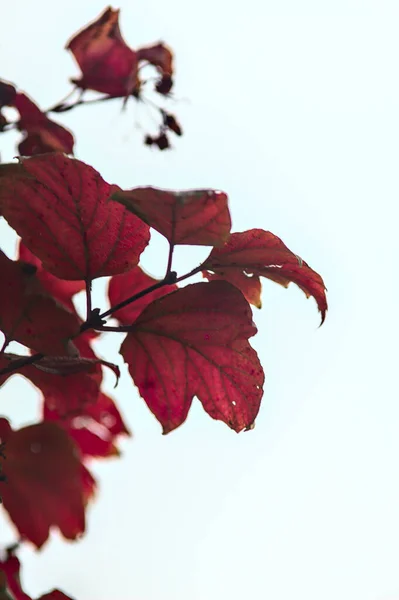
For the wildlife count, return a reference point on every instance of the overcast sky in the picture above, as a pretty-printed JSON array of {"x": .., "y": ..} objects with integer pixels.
[{"x": 292, "y": 109}]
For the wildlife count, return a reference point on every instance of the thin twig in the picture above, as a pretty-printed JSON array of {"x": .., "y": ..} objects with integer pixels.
[
  {"x": 88, "y": 298},
  {"x": 170, "y": 258}
]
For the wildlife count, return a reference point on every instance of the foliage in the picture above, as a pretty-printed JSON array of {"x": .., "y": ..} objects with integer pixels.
[{"x": 182, "y": 341}]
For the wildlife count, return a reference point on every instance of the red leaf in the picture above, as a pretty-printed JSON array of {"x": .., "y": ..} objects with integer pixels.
[
  {"x": 69, "y": 394},
  {"x": 72, "y": 365},
  {"x": 198, "y": 217},
  {"x": 42, "y": 134},
  {"x": 250, "y": 285},
  {"x": 194, "y": 342},
  {"x": 47, "y": 485},
  {"x": 60, "y": 289},
  {"x": 107, "y": 63},
  {"x": 171, "y": 123},
  {"x": 96, "y": 429},
  {"x": 7, "y": 94},
  {"x": 10, "y": 579},
  {"x": 260, "y": 253},
  {"x": 128, "y": 284},
  {"x": 28, "y": 314},
  {"x": 55, "y": 595},
  {"x": 158, "y": 55},
  {"x": 71, "y": 227}
]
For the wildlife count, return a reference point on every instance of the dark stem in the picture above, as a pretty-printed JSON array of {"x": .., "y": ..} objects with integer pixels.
[
  {"x": 88, "y": 299},
  {"x": 169, "y": 279},
  {"x": 60, "y": 108},
  {"x": 190, "y": 274},
  {"x": 4, "y": 346},
  {"x": 21, "y": 362},
  {"x": 152, "y": 288},
  {"x": 170, "y": 258},
  {"x": 63, "y": 101}
]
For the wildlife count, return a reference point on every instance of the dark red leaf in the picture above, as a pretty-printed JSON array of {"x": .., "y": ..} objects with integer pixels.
[
  {"x": 68, "y": 395},
  {"x": 28, "y": 314},
  {"x": 199, "y": 217},
  {"x": 162, "y": 141},
  {"x": 42, "y": 134},
  {"x": 164, "y": 85},
  {"x": 171, "y": 123},
  {"x": 194, "y": 342},
  {"x": 61, "y": 289},
  {"x": 107, "y": 63},
  {"x": 7, "y": 94},
  {"x": 256, "y": 253},
  {"x": 72, "y": 365},
  {"x": 128, "y": 284},
  {"x": 96, "y": 429},
  {"x": 47, "y": 485},
  {"x": 158, "y": 55},
  {"x": 10, "y": 579},
  {"x": 55, "y": 595},
  {"x": 59, "y": 206},
  {"x": 250, "y": 285}
]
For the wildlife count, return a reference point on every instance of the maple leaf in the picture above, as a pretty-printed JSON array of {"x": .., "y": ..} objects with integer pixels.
[
  {"x": 7, "y": 94},
  {"x": 47, "y": 485},
  {"x": 107, "y": 63},
  {"x": 194, "y": 342},
  {"x": 59, "y": 207},
  {"x": 248, "y": 255},
  {"x": 10, "y": 580},
  {"x": 68, "y": 384},
  {"x": 158, "y": 55},
  {"x": 61, "y": 289},
  {"x": 28, "y": 314},
  {"x": 128, "y": 284},
  {"x": 96, "y": 429},
  {"x": 199, "y": 217},
  {"x": 42, "y": 134},
  {"x": 54, "y": 595}
]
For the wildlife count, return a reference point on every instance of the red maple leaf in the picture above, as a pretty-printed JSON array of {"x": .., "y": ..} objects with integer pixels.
[
  {"x": 107, "y": 63},
  {"x": 41, "y": 133},
  {"x": 10, "y": 581},
  {"x": 158, "y": 55},
  {"x": 61, "y": 289},
  {"x": 199, "y": 217},
  {"x": 194, "y": 342},
  {"x": 47, "y": 485},
  {"x": 68, "y": 384},
  {"x": 71, "y": 227},
  {"x": 28, "y": 314},
  {"x": 128, "y": 284},
  {"x": 96, "y": 429},
  {"x": 248, "y": 255},
  {"x": 7, "y": 94}
]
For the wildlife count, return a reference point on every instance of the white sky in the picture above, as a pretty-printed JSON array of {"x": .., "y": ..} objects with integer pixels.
[{"x": 292, "y": 108}]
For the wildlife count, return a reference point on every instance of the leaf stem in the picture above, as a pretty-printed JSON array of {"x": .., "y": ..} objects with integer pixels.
[
  {"x": 166, "y": 281},
  {"x": 88, "y": 298},
  {"x": 4, "y": 346},
  {"x": 61, "y": 107},
  {"x": 169, "y": 279},
  {"x": 170, "y": 258}
]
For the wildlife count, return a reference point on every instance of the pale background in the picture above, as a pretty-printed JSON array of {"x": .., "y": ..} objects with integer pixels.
[{"x": 292, "y": 108}]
